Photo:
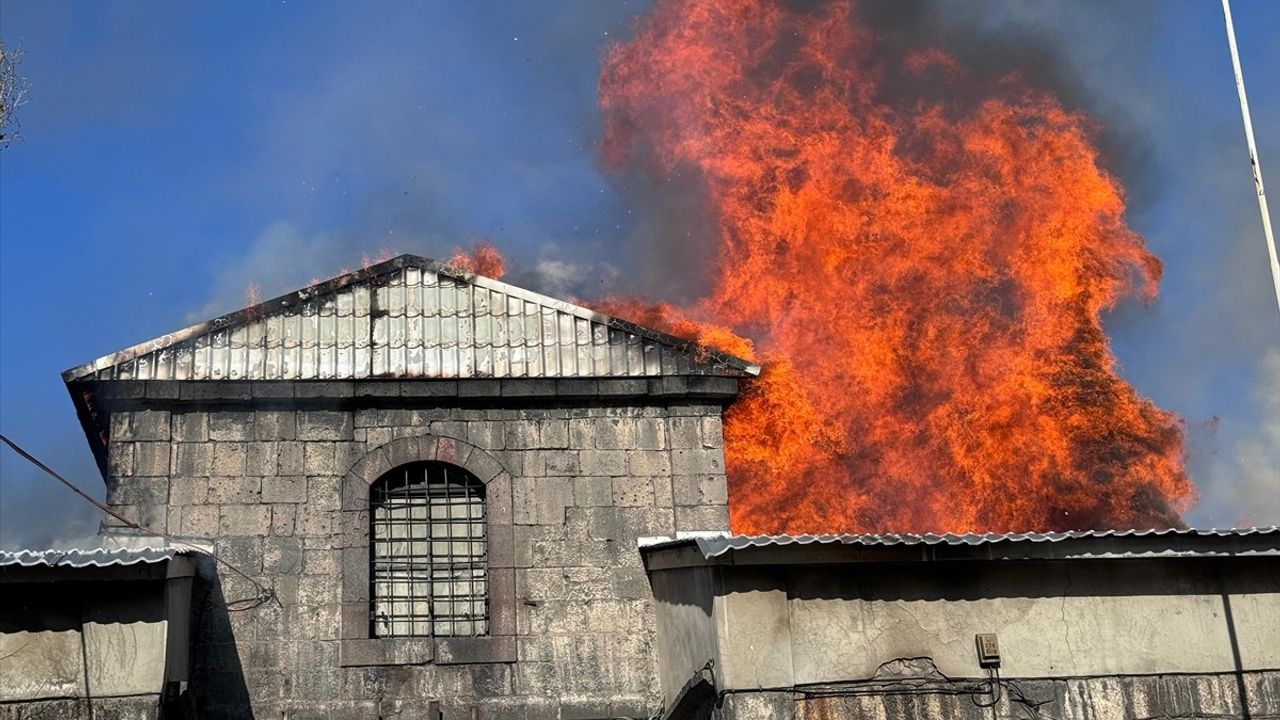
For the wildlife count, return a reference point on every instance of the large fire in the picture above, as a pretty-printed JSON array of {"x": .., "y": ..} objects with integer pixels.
[{"x": 921, "y": 261}]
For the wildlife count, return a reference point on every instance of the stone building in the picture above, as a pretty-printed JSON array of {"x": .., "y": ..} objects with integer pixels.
[
  {"x": 433, "y": 483},
  {"x": 1075, "y": 626}
]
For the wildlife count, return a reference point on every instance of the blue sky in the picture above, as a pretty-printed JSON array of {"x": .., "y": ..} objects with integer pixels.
[{"x": 174, "y": 153}]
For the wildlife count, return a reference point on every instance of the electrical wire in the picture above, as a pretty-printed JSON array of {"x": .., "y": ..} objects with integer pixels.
[{"x": 265, "y": 594}]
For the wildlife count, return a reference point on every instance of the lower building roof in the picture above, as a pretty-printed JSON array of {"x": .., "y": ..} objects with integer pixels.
[{"x": 720, "y": 549}]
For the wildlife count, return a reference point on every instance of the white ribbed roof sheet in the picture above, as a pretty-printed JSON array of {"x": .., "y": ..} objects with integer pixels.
[
  {"x": 411, "y": 317},
  {"x": 1118, "y": 541},
  {"x": 98, "y": 557}
]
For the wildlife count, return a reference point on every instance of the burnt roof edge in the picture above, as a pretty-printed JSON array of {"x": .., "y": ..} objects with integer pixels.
[
  {"x": 289, "y": 300},
  {"x": 662, "y": 554}
]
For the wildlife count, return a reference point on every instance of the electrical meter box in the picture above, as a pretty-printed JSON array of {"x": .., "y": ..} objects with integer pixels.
[{"x": 988, "y": 650}]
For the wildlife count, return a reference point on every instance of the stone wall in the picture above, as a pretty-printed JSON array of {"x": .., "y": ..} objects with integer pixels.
[
  {"x": 262, "y": 478},
  {"x": 1122, "y": 697}
]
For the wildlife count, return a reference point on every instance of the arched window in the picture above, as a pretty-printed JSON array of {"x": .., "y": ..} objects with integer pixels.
[{"x": 428, "y": 553}]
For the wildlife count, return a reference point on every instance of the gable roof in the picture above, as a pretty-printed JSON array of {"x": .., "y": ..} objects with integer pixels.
[{"x": 407, "y": 318}]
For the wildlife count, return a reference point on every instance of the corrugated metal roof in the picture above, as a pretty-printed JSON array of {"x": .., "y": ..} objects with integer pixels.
[
  {"x": 410, "y": 317},
  {"x": 98, "y": 557},
  {"x": 1121, "y": 541}
]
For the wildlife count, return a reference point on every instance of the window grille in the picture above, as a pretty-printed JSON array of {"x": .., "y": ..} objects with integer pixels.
[{"x": 428, "y": 553}]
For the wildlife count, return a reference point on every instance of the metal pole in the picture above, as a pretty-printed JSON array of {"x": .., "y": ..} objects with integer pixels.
[{"x": 1253, "y": 150}]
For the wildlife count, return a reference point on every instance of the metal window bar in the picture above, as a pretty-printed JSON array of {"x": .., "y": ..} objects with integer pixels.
[{"x": 428, "y": 553}]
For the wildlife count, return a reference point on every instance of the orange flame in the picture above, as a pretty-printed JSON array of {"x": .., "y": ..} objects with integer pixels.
[
  {"x": 922, "y": 263},
  {"x": 483, "y": 259}
]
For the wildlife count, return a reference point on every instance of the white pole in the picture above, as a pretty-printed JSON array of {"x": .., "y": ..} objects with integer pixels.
[{"x": 1253, "y": 151}]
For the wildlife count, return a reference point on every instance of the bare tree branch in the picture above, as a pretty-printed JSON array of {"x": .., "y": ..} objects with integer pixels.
[{"x": 13, "y": 93}]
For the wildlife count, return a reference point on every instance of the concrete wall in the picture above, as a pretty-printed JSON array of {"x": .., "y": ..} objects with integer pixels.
[
  {"x": 67, "y": 646},
  {"x": 1205, "y": 626},
  {"x": 261, "y": 476}
]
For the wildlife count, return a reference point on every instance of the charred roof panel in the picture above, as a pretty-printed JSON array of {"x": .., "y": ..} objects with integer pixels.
[
  {"x": 928, "y": 547},
  {"x": 409, "y": 318}
]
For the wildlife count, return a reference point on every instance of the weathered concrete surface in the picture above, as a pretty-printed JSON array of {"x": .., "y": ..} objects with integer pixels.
[
  {"x": 60, "y": 640},
  {"x": 686, "y": 642},
  {"x": 41, "y": 664},
  {"x": 1105, "y": 698},
  {"x": 143, "y": 707},
  {"x": 262, "y": 479},
  {"x": 1089, "y": 633}
]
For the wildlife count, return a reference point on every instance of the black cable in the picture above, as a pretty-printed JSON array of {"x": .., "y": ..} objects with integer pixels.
[{"x": 265, "y": 594}]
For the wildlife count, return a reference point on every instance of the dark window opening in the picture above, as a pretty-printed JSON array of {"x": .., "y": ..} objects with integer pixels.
[{"x": 428, "y": 561}]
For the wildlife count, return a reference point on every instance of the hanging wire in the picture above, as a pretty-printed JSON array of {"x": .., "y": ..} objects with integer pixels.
[{"x": 265, "y": 594}]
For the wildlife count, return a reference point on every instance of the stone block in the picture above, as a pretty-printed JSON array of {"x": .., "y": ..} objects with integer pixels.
[
  {"x": 553, "y": 434},
  {"x": 355, "y": 575},
  {"x": 662, "y": 495},
  {"x": 271, "y": 425},
  {"x": 192, "y": 459},
  {"x": 696, "y": 462},
  {"x": 429, "y": 388},
  {"x": 498, "y": 500},
  {"x": 149, "y": 425},
  {"x": 142, "y": 491},
  {"x": 273, "y": 390},
  {"x": 592, "y": 491},
  {"x": 188, "y": 491},
  {"x": 377, "y": 388},
  {"x": 713, "y": 432},
  {"x": 320, "y": 458},
  {"x": 603, "y": 462},
  {"x": 151, "y": 459},
  {"x": 632, "y": 492},
  {"x": 630, "y": 584},
  {"x": 325, "y": 425},
  {"x": 484, "y": 466},
  {"x": 533, "y": 648},
  {"x": 245, "y": 553},
  {"x": 648, "y": 463},
  {"x": 449, "y": 449},
  {"x": 229, "y": 458},
  {"x": 262, "y": 458},
  {"x": 479, "y": 388},
  {"x": 120, "y": 459},
  {"x": 649, "y": 434},
  {"x": 323, "y": 493},
  {"x": 524, "y": 501},
  {"x": 540, "y": 584},
  {"x": 623, "y": 387},
  {"x": 405, "y": 451},
  {"x": 703, "y": 517},
  {"x": 161, "y": 390},
  {"x": 281, "y": 556},
  {"x": 561, "y": 462},
  {"x": 243, "y": 520},
  {"x": 235, "y": 490},
  {"x": 538, "y": 679},
  {"x": 324, "y": 389},
  {"x": 684, "y": 432},
  {"x": 290, "y": 458},
  {"x": 199, "y": 521},
  {"x": 700, "y": 490},
  {"x": 471, "y": 650},
  {"x": 284, "y": 489},
  {"x": 283, "y": 518},
  {"x": 492, "y": 680},
  {"x": 522, "y": 436},
  {"x": 552, "y": 496},
  {"x": 190, "y": 426},
  {"x": 231, "y": 426},
  {"x": 321, "y": 562},
  {"x": 314, "y": 523},
  {"x": 529, "y": 387}
]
